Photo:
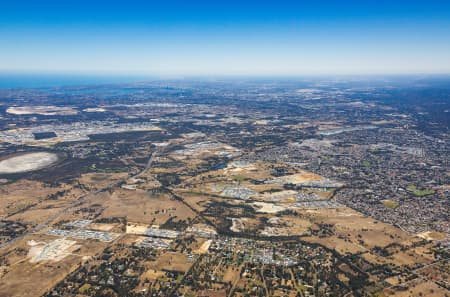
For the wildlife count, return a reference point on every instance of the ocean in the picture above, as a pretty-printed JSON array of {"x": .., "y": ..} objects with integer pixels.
[{"x": 9, "y": 81}]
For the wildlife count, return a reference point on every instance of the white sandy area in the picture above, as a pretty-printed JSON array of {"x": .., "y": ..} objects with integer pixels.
[
  {"x": 27, "y": 162},
  {"x": 42, "y": 110},
  {"x": 268, "y": 207},
  {"x": 203, "y": 249},
  {"x": 94, "y": 109},
  {"x": 238, "y": 224},
  {"x": 53, "y": 251}
]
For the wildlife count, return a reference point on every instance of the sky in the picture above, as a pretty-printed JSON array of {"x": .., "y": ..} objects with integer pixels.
[{"x": 170, "y": 38}]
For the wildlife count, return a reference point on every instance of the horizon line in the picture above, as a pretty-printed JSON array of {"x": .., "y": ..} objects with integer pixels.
[{"x": 213, "y": 75}]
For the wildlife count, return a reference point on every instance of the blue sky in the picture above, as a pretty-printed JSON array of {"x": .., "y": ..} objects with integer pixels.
[{"x": 226, "y": 37}]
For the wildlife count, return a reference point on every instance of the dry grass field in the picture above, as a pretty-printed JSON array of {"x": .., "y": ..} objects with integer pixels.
[
  {"x": 356, "y": 228},
  {"x": 340, "y": 245},
  {"x": 141, "y": 207},
  {"x": 172, "y": 261},
  {"x": 417, "y": 288},
  {"x": 100, "y": 180},
  {"x": 197, "y": 201},
  {"x": 20, "y": 195},
  {"x": 24, "y": 277}
]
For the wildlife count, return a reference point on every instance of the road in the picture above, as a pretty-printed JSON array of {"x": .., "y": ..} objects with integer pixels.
[
  {"x": 149, "y": 164},
  {"x": 81, "y": 199}
]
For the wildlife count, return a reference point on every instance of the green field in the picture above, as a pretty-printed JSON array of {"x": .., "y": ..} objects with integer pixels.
[
  {"x": 390, "y": 204},
  {"x": 419, "y": 192}
]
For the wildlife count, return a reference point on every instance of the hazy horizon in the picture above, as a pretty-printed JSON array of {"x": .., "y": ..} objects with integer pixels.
[{"x": 14, "y": 80}]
